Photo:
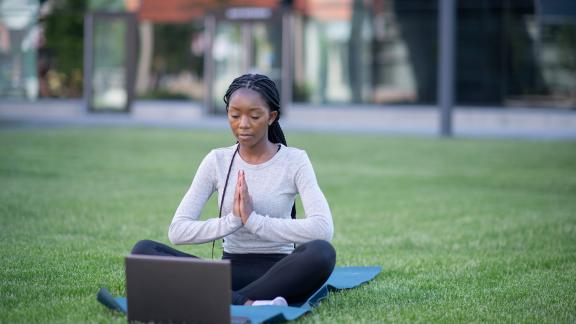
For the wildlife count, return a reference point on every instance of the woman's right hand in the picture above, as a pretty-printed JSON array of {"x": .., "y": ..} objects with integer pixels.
[{"x": 243, "y": 206}]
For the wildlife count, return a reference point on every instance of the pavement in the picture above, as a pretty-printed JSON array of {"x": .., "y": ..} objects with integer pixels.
[{"x": 478, "y": 122}]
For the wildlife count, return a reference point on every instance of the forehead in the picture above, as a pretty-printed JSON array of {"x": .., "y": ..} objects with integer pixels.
[{"x": 247, "y": 98}]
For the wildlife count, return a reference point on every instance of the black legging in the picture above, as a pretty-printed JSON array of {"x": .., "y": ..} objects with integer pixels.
[{"x": 294, "y": 276}]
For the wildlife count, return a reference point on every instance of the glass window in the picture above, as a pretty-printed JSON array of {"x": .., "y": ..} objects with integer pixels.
[
  {"x": 557, "y": 59},
  {"x": 171, "y": 62},
  {"x": 405, "y": 63},
  {"x": 19, "y": 34},
  {"x": 109, "y": 70},
  {"x": 509, "y": 53},
  {"x": 516, "y": 53},
  {"x": 365, "y": 51},
  {"x": 245, "y": 46},
  {"x": 332, "y": 43}
]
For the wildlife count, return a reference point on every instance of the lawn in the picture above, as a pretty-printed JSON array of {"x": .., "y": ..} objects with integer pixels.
[{"x": 464, "y": 230}]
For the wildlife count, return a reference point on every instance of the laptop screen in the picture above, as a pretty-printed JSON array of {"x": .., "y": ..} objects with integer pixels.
[{"x": 177, "y": 289}]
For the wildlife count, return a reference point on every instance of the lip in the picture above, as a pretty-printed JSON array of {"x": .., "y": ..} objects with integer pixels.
[{"x": 244, "y": 135}]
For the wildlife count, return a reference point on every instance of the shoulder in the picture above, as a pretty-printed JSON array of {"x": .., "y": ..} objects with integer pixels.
[
  {"x": 296, "y": 157},
  {"x": 219, "y": 156},
  {"x": 295, "y": 154},
  {"x": 223, "y": 152}
]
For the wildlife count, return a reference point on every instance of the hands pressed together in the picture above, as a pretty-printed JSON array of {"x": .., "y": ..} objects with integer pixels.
[{"x": 242, "y": 201}]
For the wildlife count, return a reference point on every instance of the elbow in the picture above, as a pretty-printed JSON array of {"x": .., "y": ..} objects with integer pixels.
[
  {"x": 325, "y": 234},
  {"x": 173, "y": 239},
  {"x": 328, "y": 226},
  {"x": 328, "y": 234},
  {"x": 324, "y": 229},
  {"x": 327, "y": 231},
  {"x": 173, "y": 236}
]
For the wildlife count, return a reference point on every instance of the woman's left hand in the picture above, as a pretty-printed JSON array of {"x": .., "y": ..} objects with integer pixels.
[{"x": 246, "y": 207}]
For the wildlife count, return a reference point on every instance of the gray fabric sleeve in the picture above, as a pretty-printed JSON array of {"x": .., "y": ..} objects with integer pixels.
[
  {"x": 186, "y": 227},
  {"x": 317, "y": 223}
]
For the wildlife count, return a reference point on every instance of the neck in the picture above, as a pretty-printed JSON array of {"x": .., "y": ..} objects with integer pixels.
[{"x": 258, "y": 153}]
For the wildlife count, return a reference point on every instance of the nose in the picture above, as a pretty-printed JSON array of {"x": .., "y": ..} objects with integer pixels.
[{"x": 244, "y": 122}]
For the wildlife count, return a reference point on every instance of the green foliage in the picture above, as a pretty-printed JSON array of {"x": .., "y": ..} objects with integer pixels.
[
  {"x": 465, "y": 230},
  {"x": 172, "y": 52},
  {"x": 163, "y": 94},
  {"x": 302, "y": 91},
  {"x": 107, "y": 5},
  {"x": 64, "y": 30},
  {"x": 64, "y": 34},
  {"x": 565, "y": 38}
]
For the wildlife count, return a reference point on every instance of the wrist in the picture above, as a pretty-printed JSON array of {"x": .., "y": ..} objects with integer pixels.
[
  {"x": 246, "y": 216},
  {"x": 254, "y": 222},
  {"x": 245, "y": 219}
]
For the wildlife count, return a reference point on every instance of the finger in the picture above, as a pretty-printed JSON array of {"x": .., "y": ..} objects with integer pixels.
[
  {"x": 244, "y": 198},
  {"x": 237, "y": 192},
  {"x": 240, "y": 189},
  {"x": 243, "y": 190},
  {"x": 241, "y": 204},
  {"x": 248, "y": 207},
  {"x": 238, "y": 182},
  {"x": 244, "y": 183},
  {"x": 236, "y": 195}
]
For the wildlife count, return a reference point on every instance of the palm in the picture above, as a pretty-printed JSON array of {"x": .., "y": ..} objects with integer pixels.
[{"x": 242, "y": 201}]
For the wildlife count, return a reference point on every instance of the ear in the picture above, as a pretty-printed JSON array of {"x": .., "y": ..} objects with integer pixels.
[{"x": 272, "y": 117}]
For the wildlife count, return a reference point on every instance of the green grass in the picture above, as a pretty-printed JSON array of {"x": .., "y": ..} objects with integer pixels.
[{"x": 465, "y": 230}]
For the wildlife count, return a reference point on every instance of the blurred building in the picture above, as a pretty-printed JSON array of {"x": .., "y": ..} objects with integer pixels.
[
  {"x": 509, "y": 53},
  {"x": 19, "y": 33}
]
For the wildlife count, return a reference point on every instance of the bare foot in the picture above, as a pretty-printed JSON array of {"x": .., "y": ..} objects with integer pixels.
[{"x": 278, "y": 301}]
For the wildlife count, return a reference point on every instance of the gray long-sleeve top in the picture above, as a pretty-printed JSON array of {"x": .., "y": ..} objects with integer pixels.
[{"x": 273, "y": 186}]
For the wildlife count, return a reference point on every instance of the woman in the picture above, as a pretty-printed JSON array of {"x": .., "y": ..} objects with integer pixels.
[{"x": 257, "y": 181}]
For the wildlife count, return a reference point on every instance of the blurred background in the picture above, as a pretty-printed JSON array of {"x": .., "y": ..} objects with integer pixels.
[
  {"x": 108, "y": 106},
  {"x": 322, "y": 53}
]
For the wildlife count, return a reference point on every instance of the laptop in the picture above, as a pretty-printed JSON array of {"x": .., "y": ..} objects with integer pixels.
[{"x": 178, "y": 290}]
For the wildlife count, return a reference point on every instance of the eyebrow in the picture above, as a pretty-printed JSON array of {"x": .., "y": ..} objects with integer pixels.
[{"x": 249, "y": 109}]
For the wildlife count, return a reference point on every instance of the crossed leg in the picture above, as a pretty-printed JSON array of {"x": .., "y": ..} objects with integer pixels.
[{"x": 295, "y": 277}]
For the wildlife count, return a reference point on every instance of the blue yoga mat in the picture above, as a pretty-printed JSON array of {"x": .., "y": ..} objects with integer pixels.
[{"x": 341, "y": 278}]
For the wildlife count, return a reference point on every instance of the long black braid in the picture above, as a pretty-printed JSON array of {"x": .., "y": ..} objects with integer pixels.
[{"x": 267, "y": 89}]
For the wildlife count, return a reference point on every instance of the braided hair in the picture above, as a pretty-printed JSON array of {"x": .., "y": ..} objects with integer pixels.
[{"x": 267, "y": 89}]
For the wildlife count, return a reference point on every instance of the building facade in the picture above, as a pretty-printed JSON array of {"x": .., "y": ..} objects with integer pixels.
[{"x": 508, "y": 53}]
